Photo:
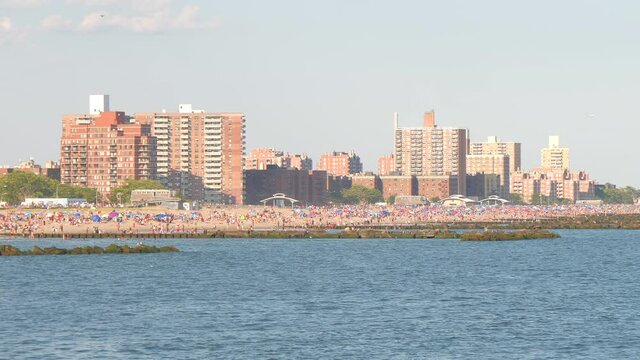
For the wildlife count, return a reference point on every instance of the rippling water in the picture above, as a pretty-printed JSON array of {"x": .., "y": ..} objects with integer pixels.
[{"x": 574, "y": 297}]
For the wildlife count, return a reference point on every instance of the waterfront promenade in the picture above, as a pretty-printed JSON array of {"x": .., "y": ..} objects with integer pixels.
[{"x": 116, "y": 221}]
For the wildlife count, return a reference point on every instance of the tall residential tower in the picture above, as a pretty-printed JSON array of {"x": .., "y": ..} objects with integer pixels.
[
  {"x": 102, "y": 150},
  {"x": 431, "y": 151},
  {"x": 555, "y": 157},
  {"x": 200, "y": 154}
]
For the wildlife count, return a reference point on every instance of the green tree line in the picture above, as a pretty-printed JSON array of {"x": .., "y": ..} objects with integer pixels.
[
  {"x": 18, "y": 185},
  {"x": 357, "y": 194},
  {"x": 624, "y": 195}
]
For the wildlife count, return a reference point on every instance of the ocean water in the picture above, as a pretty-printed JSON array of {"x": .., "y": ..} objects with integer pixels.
[{"x": 574, "y": 297}]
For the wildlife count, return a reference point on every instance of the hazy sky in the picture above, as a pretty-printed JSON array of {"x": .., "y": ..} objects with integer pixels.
[{"x": 316, "y": 76}]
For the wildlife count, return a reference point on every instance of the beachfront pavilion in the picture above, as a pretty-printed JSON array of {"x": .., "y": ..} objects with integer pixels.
[
  {"x": 494, "y": 200},
  {"x": 458, "y": 201},
  {"x": 279, "y": 200}
]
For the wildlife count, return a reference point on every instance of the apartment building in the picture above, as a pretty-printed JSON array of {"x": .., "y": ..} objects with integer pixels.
[
  {"x": 261, "y": 158},
  {"x": 493, "y": 164},
  {"x": 340, "y": 163},
  {"x": 495, "y": 146},
  {"x": 200, "y": 154},
  {"x": 431, "y": 151},
  {"x": 104, "y": 148},
  {"x": 554, "y": 156},
  {"x": 308, "y": 187},
  {"x": 386, "y": 165}
]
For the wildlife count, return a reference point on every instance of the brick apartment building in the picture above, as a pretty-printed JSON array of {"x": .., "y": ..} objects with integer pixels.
[
  {"x": 104, "y": 148},
  {"x": 260, "y": 158},
  {"x": 340, "y": 163},
  {"x": 386, "y": 165},
  {"x": 408, "y": 185},
  {"x": 555, "y": 184},
  {"x": 308, "y": 187}
]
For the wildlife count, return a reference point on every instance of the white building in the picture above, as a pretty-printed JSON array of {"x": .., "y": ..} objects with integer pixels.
[{"x": 98, "y": 104}]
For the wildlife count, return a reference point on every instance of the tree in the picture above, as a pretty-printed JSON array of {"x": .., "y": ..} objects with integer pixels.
[
  {"x": 620, "y": 196},
  {"x": 18, "y": 185},
  {"x": 359, "y": 194},
  {"x": 336, "y": 197},
  {"x": 75, "y": 192},
  {"x": 122, "y": 194},
  {"x": 515, "y": 198},
  {"x": 538, "y": 199},
  {"x": 391, "y": 199},
  {"x": 435, "y": 200}
]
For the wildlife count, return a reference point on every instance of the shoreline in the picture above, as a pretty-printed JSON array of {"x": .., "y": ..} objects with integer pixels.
[{"x": 294, "y": 234}]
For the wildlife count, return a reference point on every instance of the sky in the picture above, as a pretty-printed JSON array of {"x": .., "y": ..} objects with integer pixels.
[{"x": 316, "y": 76}]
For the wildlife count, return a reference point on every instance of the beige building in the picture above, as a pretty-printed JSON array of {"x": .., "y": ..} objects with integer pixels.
[
  {"x": 200, "y": 154},
  {"x": 555, "y": 157},
  {"x": 431, "y": 151},
  {"x": 495, "y": 146},
  {"x": 497, "y": 165}
]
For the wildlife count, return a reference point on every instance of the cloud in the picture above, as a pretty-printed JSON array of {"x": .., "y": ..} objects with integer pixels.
[
  {"x": 138, "y": 16},
  {"x": 56, "y": 22},
  {"x": 16, "y": 4},
  {"x": 8, "y": 32}
]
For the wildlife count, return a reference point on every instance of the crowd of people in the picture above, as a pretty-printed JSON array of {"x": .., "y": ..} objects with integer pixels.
[{"x": 225, "y": 218}]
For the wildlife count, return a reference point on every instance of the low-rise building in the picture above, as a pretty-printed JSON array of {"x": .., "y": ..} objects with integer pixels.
[
  {"x": 481, "y": 186},
  {"x": 398, "y": 185},
  {"x": 51, "y": 169},
  {"x": 308, "y": 187}
]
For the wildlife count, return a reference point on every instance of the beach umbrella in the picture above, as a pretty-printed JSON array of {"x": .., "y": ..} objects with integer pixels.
[
  {"x": 113, "y": 214},
  {"x": 160, "y": 217},
  {"x": 96, "y": 218}
]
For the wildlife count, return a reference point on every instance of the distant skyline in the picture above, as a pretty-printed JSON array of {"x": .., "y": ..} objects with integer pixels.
[{"x": 315, "y": 77}]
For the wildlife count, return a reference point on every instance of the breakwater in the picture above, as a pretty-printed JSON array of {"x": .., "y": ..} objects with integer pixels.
[{"x": 8, "y": 250}]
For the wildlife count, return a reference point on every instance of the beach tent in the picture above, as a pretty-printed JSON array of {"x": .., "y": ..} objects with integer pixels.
[{"x": 161, "y": 217}]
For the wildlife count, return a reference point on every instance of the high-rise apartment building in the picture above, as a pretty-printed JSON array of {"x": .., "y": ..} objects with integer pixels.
[
  {"x": 261, "y": 158},
  {"x": 340, "y": 163},
  {"x": 555, "y": 157},
  {"x": 105, "y": 149},
  {"x": 495, "y": 146},
  {"x": 200, "y": 154},
  {"x": 431, "y": 151},
  {"x": 497, "y": 165}
]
